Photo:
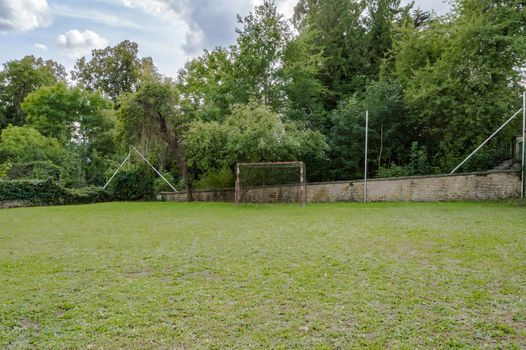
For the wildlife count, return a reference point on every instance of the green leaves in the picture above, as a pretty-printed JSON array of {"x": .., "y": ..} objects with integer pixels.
[
  {"x": 24, "y": 144},
  {"x": 251, "y": 133},
  {"x": 114, "y": 70},
  {"x": 18, "y": 78}
]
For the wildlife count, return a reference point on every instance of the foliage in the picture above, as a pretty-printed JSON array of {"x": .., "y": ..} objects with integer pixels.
[
  {"x": 434, "y": 86},
  {"x": 206, "y": 85},
  {"x": 418, "y": 162},
  {"x": 25, "y": 144},
  {"x": 47, "y": 192},
  {"x": 71, "y": 115},
  {"x": 97, "y": 166},
  {"x": 393, "y": 170},
  {"x": 36, "y": 170},
  {"x": 460, "y": 76},
  {"x": 160, "y": 185},
  {"x": 20, "y": 77},
  {"x": 151, "y": 116},
  {"x": 113, "y": 70},
  {"x": 251, "y": 133},
  {"x": 133, "y": 184},
  {"x": 261, "y": 40},
  {"x": 214, "y": 179},
  {"x": 4, "y": 168}
]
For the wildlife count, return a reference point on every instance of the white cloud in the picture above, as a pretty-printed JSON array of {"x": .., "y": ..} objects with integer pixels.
[
  {"x": 40, "y": 46},
  {"x": 24, "y": 15},
  {"x": 93, "y": 15},
  {"x": 77, "y": 44},
  {"x": 206, "y": 23}
]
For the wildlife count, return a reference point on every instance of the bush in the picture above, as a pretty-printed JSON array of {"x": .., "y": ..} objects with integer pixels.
[
  {"x": 48, "y": 192},
  {"x": 87, "y": 195},
  {"x": 161, "y": 186},
  {"x": 213, "y": 179},
  {"x": 4, "y": 168},
  {"x": 133, "y": 184},
  {"x": 393, "y": 171},
  {"x": 37, "y": 170}
]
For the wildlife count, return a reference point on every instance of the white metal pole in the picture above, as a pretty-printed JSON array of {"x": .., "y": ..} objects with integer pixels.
[
  {"x": 523, "y": 141},
  {"x": 487, "y": 140},
  {"x": 366, "y": 141},
  {"x": 116, "y": 171},
  {"x": 158, "y": 173}
]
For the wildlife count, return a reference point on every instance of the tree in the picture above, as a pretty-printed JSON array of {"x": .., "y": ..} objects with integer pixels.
[
  {"x": 206, "y": 85},
  {"x": 251, "y": 133},
  {"x": 113, "y": 70},
  {"x": 337, "y": 32},
  {"x": 71, "y": 115},
  {"x": 262, "y": 38},
  {"x": 461, "y": 78},
  {"x": 152, "y": 116},
  {"x": 20, "y": 77},
  {"x": 25, "y": 144},
  {"x": 304, "y": 91}
]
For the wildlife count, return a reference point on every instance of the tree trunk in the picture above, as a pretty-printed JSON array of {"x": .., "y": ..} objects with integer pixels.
[
  {"x": 381, "y": 144},
  {"x": 171, "y": 138}
]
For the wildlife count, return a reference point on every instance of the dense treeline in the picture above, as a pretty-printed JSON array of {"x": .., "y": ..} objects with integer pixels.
[{"x": 435, "y": 86}]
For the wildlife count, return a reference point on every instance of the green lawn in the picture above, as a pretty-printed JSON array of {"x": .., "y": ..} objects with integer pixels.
[{"x": 185, "y": 276}]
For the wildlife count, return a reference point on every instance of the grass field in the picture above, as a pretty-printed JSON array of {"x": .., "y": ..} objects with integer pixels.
[{"x": 185, "y": 276}]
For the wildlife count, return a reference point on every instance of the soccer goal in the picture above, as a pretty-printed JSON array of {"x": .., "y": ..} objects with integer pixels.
[{"x": 271, "y": 183}]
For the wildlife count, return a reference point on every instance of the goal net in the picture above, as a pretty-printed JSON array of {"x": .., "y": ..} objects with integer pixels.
[{"x": 271, "y": 183}]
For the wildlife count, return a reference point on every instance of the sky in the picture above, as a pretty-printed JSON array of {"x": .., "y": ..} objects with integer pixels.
[{"x": 170, "y": 31}]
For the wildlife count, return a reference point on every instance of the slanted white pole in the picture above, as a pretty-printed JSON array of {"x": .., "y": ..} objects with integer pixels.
[
  {"x": 158, "y": 173},
  {"x": 115, "y": 173},
  {"x": 487, "y": 140},
  {"x": 523, "y": 140},
  {"x": 366, "y": 141}
]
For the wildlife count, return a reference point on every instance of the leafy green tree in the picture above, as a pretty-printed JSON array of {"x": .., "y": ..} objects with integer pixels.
[
  {"x": 261, "y": 41},
  {"x": 339, "y": 33},
  {"x": 387, "y": 139},
  {"x": 303, "y": 90},
  {"x": 461, "y": 78},
  {"x": 20, "y": 77},
  {"x": 384, "y": 100},
  {"x": 71, "y": 115},
  {"x": 206, "y": 85},
  {"x": 113, "y": 70},
  {"x": 347, "y": 140},
  {"x": 251, "y": 133},
  {"x": 25, "y": 144},
  {"x": 151, "y": 116}
]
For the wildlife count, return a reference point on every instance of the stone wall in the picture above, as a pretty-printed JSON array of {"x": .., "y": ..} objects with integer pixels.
[
  {"x": 473, "y": 186},
  {"x": 222, "y": 195}
]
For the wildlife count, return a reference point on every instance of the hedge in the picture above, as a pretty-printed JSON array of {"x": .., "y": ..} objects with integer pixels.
[
  {"x": 40, "y": 170},
  {"x": 133, "y": 184},
  {"x": 48, "y": 192}
]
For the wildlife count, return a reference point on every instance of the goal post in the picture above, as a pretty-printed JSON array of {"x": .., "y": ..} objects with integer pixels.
[{"x": 271, "y": 182}]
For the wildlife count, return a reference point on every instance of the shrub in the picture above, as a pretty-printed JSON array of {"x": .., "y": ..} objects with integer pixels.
[
  {"x": 393, "y": 170},
  {"x": 133, "y": 184},
  {"x": 161, "y": 186},
  {"x": 35, "y": 191},
  {"x": 4, "y": 168},
  {"x": 37, "y": 170},
  {"x": 222, "y": 178},
  {"x": 25, "y": 144},
  {"x": 48, "y": 192},
  {"x": 87, "y": 195}
]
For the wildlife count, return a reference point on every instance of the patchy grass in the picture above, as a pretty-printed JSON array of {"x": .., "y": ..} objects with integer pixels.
[{"x": 184, "y": 276}]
